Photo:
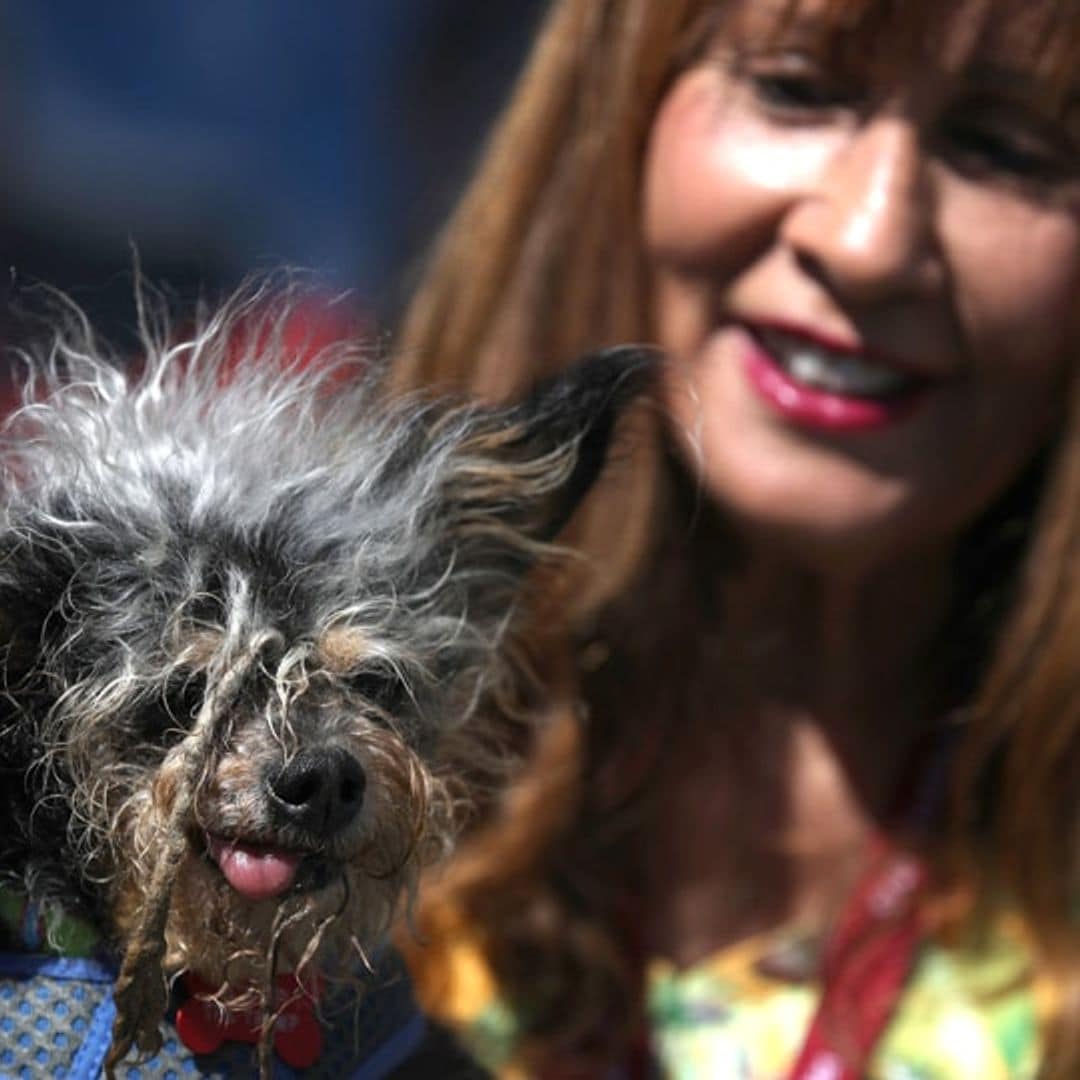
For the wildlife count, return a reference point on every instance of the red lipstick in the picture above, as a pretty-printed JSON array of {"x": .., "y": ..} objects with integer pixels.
[{"x": 817, "y": 408}]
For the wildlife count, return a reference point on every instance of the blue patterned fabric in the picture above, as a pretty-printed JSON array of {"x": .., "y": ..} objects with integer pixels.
[{"x": 56, "y": 1016}]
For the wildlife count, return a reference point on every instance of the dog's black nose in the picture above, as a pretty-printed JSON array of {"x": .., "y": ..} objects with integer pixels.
[{"x": 320, "y": 790}]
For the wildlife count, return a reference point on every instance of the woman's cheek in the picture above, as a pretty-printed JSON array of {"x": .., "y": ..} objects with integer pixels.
[
  {"x": 1021, "y": 285},
  {"x": 718, "y": 176}
]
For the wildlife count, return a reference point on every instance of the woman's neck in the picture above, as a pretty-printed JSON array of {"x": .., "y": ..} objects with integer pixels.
[
  {"x": 808, "y": 699},
  {"x": 831, "y": 646}
]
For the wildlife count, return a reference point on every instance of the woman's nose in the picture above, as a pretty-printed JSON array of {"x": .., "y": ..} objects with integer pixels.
[{"x": 867, "y": 226}]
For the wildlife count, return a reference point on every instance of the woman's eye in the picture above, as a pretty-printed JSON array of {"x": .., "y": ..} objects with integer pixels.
[
  {"x": 1022, "y": 155},
  {"x": 798, "y": 92},
  {"x": 794, "y": 84},
  {"x": 1010, "y": 139}
]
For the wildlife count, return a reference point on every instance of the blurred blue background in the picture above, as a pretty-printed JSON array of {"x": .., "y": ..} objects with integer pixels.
[{"x": 227, "y": 136}]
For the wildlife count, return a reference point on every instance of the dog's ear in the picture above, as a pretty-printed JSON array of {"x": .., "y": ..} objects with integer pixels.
[
  {"x": 581, "y": 406},
  {"x": 533, "y": 462}
]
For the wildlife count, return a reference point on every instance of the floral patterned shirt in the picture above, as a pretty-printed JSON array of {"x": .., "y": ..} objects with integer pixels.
[{"x": 743, "y": 1013}]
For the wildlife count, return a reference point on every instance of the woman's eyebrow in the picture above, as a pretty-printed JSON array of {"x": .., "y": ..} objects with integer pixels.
[
  {"x": 775, "y": 18},
  {"x": 1024, "y": 84}
]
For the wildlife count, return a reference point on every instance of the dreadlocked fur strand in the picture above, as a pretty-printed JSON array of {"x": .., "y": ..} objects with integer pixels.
[
  {"x": 251, "y": 609},
  {"x": 141, "y": 992}
]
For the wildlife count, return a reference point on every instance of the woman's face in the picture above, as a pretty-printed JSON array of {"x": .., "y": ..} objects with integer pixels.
[{"x": 868, "y": 281}]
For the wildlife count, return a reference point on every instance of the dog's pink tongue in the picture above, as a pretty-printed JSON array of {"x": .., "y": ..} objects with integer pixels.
[{"x": 254, "y": 872}]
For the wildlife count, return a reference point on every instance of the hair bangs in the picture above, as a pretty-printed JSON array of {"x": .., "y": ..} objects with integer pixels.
[{"x": 898, "y": 34}]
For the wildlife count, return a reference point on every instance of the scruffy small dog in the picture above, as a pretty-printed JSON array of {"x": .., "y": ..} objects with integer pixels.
[{"x": 249, "y": 611}]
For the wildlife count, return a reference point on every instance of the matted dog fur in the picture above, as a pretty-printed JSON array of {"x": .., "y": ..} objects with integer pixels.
[{"x": 250, "y": 613}]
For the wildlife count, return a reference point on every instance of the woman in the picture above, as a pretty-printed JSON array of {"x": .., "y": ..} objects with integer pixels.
[{"x": 802, "y": 802}]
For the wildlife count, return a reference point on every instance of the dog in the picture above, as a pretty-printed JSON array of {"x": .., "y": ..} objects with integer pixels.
[{"x": 251, "y": 609}]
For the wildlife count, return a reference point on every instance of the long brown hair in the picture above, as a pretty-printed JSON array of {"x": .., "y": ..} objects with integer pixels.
[{"x": 542, "y": 262}]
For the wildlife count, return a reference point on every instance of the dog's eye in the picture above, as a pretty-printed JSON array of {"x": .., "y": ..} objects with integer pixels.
[
  {"x": 186, "y": 700},
  {"x": 168, "y": 720},
  {"x": 380, "y": 687}
]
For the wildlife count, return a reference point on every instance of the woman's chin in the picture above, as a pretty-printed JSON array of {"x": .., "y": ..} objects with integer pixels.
[{"x": 838, "y": 522}]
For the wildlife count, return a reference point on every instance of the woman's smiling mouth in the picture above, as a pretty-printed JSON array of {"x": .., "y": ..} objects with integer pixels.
[{"x": 816, "y": 384}]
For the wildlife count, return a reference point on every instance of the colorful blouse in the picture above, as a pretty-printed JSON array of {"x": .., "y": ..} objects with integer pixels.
[{"x": 744, "y": 1012}]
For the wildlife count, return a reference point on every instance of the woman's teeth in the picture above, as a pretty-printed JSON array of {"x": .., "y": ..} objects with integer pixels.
[{"x": 821, "y": 368}]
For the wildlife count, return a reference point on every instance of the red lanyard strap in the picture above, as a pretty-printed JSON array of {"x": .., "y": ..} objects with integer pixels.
[{"x": 866, "y": 964}]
